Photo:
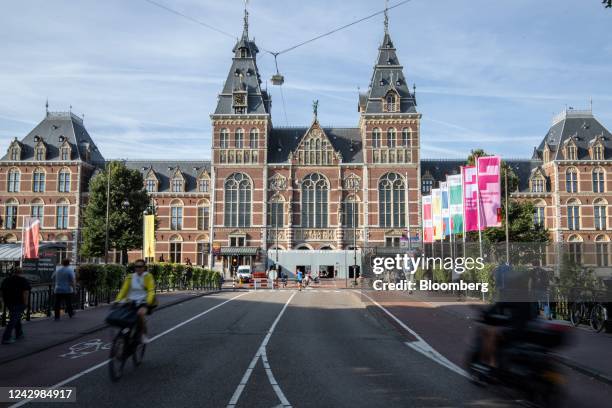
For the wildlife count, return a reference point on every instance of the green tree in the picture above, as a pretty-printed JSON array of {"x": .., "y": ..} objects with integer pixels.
[
  {"x": 608, "y": 3},
  {"x": 128, "y": 200}
]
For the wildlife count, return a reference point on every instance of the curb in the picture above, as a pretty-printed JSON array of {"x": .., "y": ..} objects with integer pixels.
[
  {"x": 589, "y": 372},
  {"x": 96, "y": 329}
]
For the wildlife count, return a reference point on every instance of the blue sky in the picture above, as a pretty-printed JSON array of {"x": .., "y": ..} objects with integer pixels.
[{"x": 489, "y": 74}]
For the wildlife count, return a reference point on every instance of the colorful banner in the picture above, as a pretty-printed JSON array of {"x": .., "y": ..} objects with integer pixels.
[
  {"x": 446, "y": 228},
  {"x": 455, "y": 192},
  {"x": 436, "y": 213},
  {"x": 489, "y": 186},
  {"x": 470, "y": 198},
  {"x": 427, "y": 220},
  {"x": 30, "y": 237},
  {"x": 149, "y": 236}
]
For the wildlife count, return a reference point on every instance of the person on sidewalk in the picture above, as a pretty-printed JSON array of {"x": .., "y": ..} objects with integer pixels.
[
  {"x": 65, "y": 286},
  {"x": 139, "y": 288},
  {"x": 15, "y": 292}
]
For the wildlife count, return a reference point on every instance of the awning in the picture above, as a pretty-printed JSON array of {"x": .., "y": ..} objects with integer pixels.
[
  {"x": 239, "y": 250},
  {"x": 10, "y": 252}
]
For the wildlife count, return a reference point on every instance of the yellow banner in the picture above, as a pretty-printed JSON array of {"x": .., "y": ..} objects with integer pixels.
[{"x": 149, "y": 237}]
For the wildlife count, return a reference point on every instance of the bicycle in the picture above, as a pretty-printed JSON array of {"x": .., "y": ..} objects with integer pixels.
[
  {"x": 599, "y": 315},
  {"x": 126, "y": 344}
]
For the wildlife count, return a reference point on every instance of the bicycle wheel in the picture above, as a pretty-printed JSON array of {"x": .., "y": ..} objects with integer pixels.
[
  {"x": 576, "y": 313},
  {"x": 117, "y": 356},
  {"x": 598, "y": 318},
  {"x": 138, "y": 355}
]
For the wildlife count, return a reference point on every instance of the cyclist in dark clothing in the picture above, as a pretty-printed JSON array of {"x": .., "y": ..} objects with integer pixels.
[{"x": 15, "y": 291}]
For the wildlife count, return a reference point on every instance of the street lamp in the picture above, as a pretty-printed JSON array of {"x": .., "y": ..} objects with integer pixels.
[{"x": 354, "y": 221}]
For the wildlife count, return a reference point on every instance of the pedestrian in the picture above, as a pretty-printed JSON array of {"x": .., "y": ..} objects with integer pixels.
[
  {"x": 65, "y": 286},
  {"x": 299, "y": 277},
  {"x": 272, "y": 276},
  {"x": 15, "y": 291}
]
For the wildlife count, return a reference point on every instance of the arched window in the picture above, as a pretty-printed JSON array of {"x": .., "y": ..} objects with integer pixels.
[
  {"x": 239, "y": 138},
  {"x": 63, "y": 182},
  {"x": 176, "y": 249},
  {"x": 376, "y": 137},
  {"x": 237, "y": 208},
  {"x": 253, "y": 136},
  {"x": 276, "y": 213},
  {"x": 571, "y": 180},
  {"x": 391, "y": 201},
  {"x": 40, "y": 152},
  {"x": 14, "y": 181},
  {"x": 10, "y": 214},
  {"x": 391, "y": 138},
  {"x": 350, "y": 212},
  {"x": 602, "y": 251},
  {"x": 575, "y": 248},
  {"x": 203, "y": 215},
  {"x": 406, "y": 137},
  {"x": 176, "y": 215},
  {"x": 15, "y": 152},
  {"x": 62, "y": 211},
  {"x": 573, "y": 214},
  {"x": 314, "y": 201},
  {"x": 598, "y": 181},
  {"x": 37, "y": 209},
  {"x": 202, "y": 251},
  {"x": 38, "y": 181},
  {"x": 390, "y": 102},
  {"x": 539, "y": 214},
  {"x": 224, "y": 138},
  {"x": 600, "y": 214}
]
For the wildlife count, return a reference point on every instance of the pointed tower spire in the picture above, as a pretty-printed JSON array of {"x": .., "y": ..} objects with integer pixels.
[
  {"x": 386, "y": 16},
  {"x": 245, "y": 30}
]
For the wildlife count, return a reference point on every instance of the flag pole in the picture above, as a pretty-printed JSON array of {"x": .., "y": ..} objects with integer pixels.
[
  {"x": 478, "y": 202},
  {"x": 507, "y": 227},
  {"x": 463, "y": 210}
]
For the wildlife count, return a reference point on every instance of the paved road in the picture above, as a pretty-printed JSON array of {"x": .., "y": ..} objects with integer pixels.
[{"x": 260, "y": 349}]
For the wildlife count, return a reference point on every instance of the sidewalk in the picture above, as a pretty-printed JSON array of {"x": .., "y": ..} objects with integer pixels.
[
  {"x": 449, "y": 327},
  {"x": 44, "y": 333}
]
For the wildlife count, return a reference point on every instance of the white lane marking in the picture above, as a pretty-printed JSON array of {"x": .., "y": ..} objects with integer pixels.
[
  {"x": 105, "y": 362},
  {"x": 261, "y": 353},
  {"x": 84, "y": 348},
  {"x": 421, "y": 345}
]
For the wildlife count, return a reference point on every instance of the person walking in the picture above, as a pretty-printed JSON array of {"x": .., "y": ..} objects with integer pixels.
[
  {"x": 15, "y": 291},
  {"x": 65, "y": 286},
  {"x": 299, "y": 277}
]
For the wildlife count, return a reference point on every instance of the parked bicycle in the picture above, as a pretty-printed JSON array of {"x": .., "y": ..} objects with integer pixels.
[
  {"x": 593, "y": 313},
  {"x": 127, "y": 343}
]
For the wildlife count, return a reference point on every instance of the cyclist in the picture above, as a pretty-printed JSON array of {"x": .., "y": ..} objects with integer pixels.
[{"x": 139, "y": 288}]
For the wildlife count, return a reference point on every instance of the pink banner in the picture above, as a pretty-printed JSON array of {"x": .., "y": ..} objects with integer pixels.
[
  {"x": 427, "y": 221},
  {"x": 470, "y": 198},
  {"x": 31, "y": 230},
  {"x": 489, "y": 187}
]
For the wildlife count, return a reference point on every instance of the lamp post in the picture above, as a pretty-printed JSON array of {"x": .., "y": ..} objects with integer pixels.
[
  {"x": 354, "y": 220},
  {"x": 276, "y": 232}
]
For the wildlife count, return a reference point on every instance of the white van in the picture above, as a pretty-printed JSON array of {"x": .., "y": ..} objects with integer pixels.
[{"x": 244, "y": 273}]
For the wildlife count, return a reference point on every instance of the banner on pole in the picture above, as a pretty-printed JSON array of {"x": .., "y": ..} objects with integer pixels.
[
  {"x": 489, "y": 186},
  {"x": 30, "y": 237},
  {"x": 470, "y": 198},
  {"x": 446, "y": 227},
  {"x": 149, "y": 236},
  {"x": 436, "y": 213},
  {"x": 427, "y": 221},
  {"x": 455, "y": 193}
]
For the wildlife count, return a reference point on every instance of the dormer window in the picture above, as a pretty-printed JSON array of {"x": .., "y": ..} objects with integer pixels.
[
  {"x": 151, "y": 185},
  {"x": 243, "y": 53},
  {"x": 40, "y": 151},
  {"x": 537, "y": 185},
  {"x": 571, "y": 152},
  {"x": 597, "y": 152},
  {"x": 177, "y": 184},
  {"x": 15, "y": 151},
  {"x": 391, "y": 102}
]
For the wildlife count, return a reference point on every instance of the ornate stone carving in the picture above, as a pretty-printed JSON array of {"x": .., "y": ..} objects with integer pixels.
[
  {"x": 277, "y": 182},
  {"x": 313, "y": 234},
  {"x": 352, "y": 182}
]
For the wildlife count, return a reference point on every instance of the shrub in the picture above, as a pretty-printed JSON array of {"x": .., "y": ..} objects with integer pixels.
[
  {"x": 91, "y": 276},
  {"x": 114, "y": 275}
]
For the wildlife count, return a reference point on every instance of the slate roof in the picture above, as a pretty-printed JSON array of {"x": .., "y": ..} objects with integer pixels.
[
  {"x": 440, "y": 168},
  {"x": 284, "y": 140},
  {"x": 388, "y": 74},
  {"x": 582, "y": 126},
  {"x": 165, "y": 169},
  {"x": 54, "y": 125}
]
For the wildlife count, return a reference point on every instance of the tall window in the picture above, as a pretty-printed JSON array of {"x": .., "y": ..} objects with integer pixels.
[
  {"x": 390, "y": 102},
  {"x": 176, "y": 249},
  {"x": 202, "y": 253},
  {"x": 537, "y": 185},
  {"x": 406, "y": 137},
  {"x": 602, "y": 251},
  {"x": 204, "y": 185},
  {"x": 38, "y": 181},
  {"x": 253, "y": 136},
  {"x": 224, "y": 139},
  {"x": 64, "y": 181},
  {"x": 239, "y": 138},
  {"x": 600, "y": 214},
  {"x": 14, "y": 181},
  {"x": 350, "y": 212},
  {"x": 15, "y": 153},
  {"x": 237, "y": 207},
  {"x": 203, "y": 217},
  {"x": 539, "y": 215},
  {"x": 575, "y": 249},
  {"x": 177, "y": 184},
  {"x": 571, "y": 181},
  {"x": 276, "y": 215},
  {"x": 391, "y": 138},
  {"x": 598, "y": 152},
  {"x": 176, "y": 217},
  {"x": 571, "y": 152},
  {"x": 151, "y": 185},
  {"x": 573, "y": 215},
  {"x": 61, "y": 213},
  {"x": 376, "y": 138},
  {"x": 10, "y": 215},
  {"x": 40, "y": 153},
  {"x": 65, "y": 153},
  {"x": 314, "y": 201},
  {"x": 37, "y": 210},
  {"x": 598, "y": 181},
  {"x": 391, "y": 201}
]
